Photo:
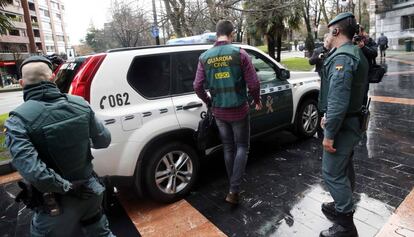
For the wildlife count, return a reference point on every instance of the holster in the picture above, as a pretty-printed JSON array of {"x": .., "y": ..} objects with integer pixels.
[
  {"x": 35, "y": 200},
  {"x": 364, "y": 119}
]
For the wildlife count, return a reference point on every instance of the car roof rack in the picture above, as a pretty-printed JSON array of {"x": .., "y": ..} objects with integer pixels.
[
  {"x": 151, "y": 47},
  {"x": 157, "y": 46}
]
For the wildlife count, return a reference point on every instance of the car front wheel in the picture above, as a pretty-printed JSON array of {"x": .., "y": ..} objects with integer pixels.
[
  {"x": 171, "y": 172},
  {"x": 307, "y": 118}
]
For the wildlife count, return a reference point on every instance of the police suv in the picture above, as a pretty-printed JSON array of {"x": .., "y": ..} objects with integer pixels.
[{"x": 145, "y": 98}]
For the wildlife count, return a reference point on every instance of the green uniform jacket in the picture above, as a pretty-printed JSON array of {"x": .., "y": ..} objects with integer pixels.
[
  {"x": 50, "y": 135},
  {"x": 225, "y": 81},
  {"x": 343, "y": 86}
]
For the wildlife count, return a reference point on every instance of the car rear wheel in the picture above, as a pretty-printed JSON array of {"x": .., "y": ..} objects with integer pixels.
[
  {"x": 307, "y": 118},
  {"x": 171, "y": 172}
]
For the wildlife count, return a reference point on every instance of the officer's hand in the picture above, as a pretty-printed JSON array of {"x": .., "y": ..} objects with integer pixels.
[
  {"x": 323, "y": 122},
  {"x": 28, "y": 195},
  {"x": 259, "y": 106},
  {"x": 81, "y": 190},
  {"x": 328, "y": 145}
]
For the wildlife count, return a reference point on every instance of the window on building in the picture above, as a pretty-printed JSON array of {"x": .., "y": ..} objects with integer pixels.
[
  {"x": 58, "y": 27},
  {"x": 407, "y": 22},
  {"x": 42, "y": 2},
  {"x": 50, "y": 48},
  {"x": 48, "y": 37},
  {"x": 58, "y": 16},
  {"x": 55, "y": 5},
  {"x": 62, "y": 7},
  {"x": 60, "y": 38},
  {"x": 44, "y": 12},
  {"x": 14, "y": 32},
  {"x": 36, "y": 33},
  {"x": 150, "y": 75},
  {"x": 24, "y": 33},
  {"x": 32, "y": 6},
  {"x": 46, "y": 25}
]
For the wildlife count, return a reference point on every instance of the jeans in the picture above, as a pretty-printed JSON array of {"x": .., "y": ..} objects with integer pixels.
[{"x": 235, "y": 137}]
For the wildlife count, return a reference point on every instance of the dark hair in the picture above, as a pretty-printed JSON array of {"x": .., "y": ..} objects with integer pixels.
[
  {"x": 224, "y": 27},
  {"x": 348, "y": 26}
]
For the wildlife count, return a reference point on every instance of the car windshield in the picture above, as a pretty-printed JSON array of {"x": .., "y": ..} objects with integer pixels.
[{"x": 66, "y": 73}]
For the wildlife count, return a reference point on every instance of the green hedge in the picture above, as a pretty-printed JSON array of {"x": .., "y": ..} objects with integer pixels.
[
  {"x": 297, "y": 64},
  {"x": 3, "y": 149}
]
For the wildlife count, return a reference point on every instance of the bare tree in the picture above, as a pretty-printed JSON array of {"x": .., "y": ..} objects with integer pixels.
[{"x": 130, "y": 27}]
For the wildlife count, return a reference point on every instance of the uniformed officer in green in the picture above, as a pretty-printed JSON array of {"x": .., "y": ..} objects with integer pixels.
[
  {"x": 49, "y": 137},
  {"x": 344, "y": 80}
]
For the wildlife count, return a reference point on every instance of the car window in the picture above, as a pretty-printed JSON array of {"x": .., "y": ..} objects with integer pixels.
[
  {"x": 186, "y": 67},
  {"x": 66, "y": 73},
  {"x": 264, "y": 68},
  {"x": 150, "y": 75}
]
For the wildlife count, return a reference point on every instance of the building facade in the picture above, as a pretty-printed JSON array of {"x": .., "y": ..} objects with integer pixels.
[
  {"x": 39, "y": 28},
  {"x": 394, "y": 18}
]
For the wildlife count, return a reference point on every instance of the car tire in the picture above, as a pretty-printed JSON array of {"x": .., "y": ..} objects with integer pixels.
[
  {"x": 307, "y": 118},
  {"x": 168, "y": 180}
]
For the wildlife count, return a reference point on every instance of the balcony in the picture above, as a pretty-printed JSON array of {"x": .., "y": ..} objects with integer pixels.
[
  {"x": 19, "y": 25},
  {"x": 37, "y": 39},
  {"x": 14, "y": 39},
  {"x": 13, "y": 9},
  {"x": 32, "y": 13}
]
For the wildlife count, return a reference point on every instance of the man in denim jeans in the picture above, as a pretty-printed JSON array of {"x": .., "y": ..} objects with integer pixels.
[{"x": 227, "y": 72}]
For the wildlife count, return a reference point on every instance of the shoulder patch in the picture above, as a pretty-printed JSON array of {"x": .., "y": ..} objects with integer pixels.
[{"x": 339, "y": 67}]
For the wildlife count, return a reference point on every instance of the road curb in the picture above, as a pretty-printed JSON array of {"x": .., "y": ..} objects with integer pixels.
[
  {"x": 6, "y": 168},
  {"x": 10, "y": 90}
]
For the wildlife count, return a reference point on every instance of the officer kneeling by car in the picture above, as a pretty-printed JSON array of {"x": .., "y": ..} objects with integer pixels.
[{"x": 50, "y": 137}]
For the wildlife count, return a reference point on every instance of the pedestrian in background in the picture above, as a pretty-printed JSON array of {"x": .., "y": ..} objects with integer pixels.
[
  {"x": 318, "y": 56},
  {"x": 227, "y": 72},
  {"x": 342, "y": 93},
  {"x": 383, "y": 44},
  {"x": 49, "y": 137}
]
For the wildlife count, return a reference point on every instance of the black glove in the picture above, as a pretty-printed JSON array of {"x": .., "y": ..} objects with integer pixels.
[
  {"x": 29, "y": 195},
  {"x": 81, "y": 190}
]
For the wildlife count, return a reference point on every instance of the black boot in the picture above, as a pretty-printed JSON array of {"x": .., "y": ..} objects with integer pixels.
[
  {"x": 328, "y": 209},
  {"x": 344, "y": 226}
]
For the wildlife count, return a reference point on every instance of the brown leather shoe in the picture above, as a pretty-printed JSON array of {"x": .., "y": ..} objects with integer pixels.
[{"x": 232, "y": 198}]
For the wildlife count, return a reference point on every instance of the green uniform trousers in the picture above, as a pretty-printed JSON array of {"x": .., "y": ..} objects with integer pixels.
[
  {"x": 338, "y": 168},
  {"x": 74, "y": 210}
]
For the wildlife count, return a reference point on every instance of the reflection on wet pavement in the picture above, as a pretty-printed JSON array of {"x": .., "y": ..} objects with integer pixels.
[{"x": 283, "y": 187}]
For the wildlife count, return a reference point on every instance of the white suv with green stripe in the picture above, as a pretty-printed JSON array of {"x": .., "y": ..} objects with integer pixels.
[{"x": 145, "y": 97}]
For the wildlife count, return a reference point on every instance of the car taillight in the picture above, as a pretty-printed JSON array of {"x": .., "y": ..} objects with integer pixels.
[{"x": 81, "y": 84}]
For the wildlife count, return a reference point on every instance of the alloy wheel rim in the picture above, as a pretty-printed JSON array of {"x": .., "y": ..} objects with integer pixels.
[
  {"x": 310, "y": 118},
  {"x": 173, "y": 172}
]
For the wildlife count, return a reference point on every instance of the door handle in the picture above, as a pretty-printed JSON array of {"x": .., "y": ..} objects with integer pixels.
[{"x": 191, "y": 106}]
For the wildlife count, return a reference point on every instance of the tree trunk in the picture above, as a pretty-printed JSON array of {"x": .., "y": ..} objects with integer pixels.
[
  {"x": 279, "y": 45},
  {"x": 309, "y": 44},
  {"x": 323, "y": 9},
  {"x": 213, "y": 15},
  {"x": 271, "y": 45},
  {"x": 173, "y": 16}
]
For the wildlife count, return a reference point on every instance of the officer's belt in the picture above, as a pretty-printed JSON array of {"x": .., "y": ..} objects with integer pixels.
[{"x": 224, "y": 90}]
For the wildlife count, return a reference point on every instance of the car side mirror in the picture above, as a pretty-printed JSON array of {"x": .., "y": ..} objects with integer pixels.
[{"x": 284, "y": 74}]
